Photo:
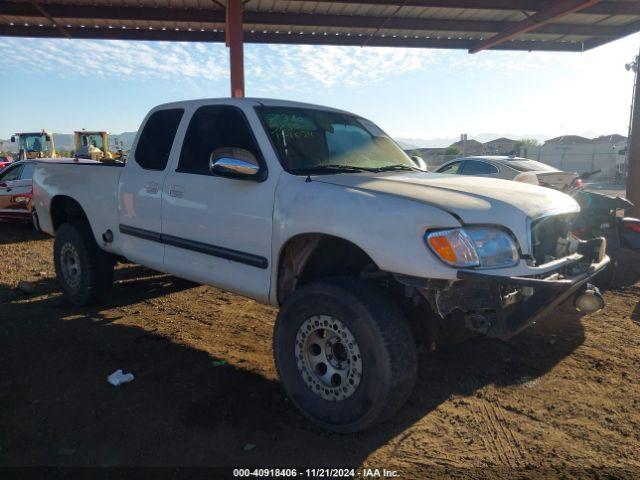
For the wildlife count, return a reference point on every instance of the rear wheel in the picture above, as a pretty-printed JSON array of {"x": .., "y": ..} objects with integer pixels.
[
  {"x": 345, "y": 354},
  {"x": 84, "y": 270}
]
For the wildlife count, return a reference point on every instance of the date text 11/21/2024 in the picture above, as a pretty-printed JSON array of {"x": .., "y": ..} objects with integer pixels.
[{"x": 316, "y": 473}]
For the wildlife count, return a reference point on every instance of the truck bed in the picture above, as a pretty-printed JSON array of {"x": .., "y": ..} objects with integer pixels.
[{"x": 94, "y": 185}]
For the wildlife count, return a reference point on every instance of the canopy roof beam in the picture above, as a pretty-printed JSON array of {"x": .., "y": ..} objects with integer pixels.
[
  {"x": 553, "y": 11},
  {"x": 204, "y": 16},
  {"x": 37, "y": 6},
  {"x": 157, "y": 34}
]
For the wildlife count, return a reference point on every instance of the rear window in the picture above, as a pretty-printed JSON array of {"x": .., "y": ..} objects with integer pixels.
[
  {"x": 156, "y": 139},
  {"x": 471, "y": 167},
  {"x": 530, "y": 166}
]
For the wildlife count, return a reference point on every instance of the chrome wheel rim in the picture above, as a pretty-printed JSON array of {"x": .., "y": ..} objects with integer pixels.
[
  {"x": 328, "y": 358},
  {"x": 70, "y": 265}
]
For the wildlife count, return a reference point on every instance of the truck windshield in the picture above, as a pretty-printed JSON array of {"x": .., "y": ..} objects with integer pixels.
[
  {"x": 317, "y": 141},
  {"x": 93, "y": 140}
]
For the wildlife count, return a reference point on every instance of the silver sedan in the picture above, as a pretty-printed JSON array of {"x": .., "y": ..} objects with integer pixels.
[{"x": 510, "y": 168}]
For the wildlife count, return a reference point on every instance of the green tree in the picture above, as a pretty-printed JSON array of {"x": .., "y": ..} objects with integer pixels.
[
  {"x": 525, "y": 144},
  {"x": 453, "y": 151}
]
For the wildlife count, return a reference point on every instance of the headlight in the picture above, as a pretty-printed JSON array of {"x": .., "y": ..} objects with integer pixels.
[{"x": 482, "y": 247}]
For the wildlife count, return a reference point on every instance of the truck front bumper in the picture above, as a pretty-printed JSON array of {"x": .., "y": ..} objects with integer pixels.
[
  {"x": 548, "y": 293},
  {"x": 501, "y": 306}
]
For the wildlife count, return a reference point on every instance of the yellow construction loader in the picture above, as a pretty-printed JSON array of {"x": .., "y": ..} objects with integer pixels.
[
  {"x": 93, "y": 145},
  {"x": 35, "y": 145}
]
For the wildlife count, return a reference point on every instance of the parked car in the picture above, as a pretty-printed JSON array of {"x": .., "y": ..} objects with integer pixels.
[
  {"x": 16, "y": 191},
  {"x": 5, "y": 161},
  {"x": 510, "y": 168},
  {"x": 317, "y": 211}
]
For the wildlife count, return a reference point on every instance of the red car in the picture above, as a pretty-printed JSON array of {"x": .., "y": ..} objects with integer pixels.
[
  {"x": 4, "y": 161},
  {"x": 16, "y": 191}
]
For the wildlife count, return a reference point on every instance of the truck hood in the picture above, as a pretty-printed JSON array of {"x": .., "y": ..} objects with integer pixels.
[{"x": 473, "y": 200}]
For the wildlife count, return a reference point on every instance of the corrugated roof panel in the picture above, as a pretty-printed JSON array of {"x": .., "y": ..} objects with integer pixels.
[{"x": 355, "y": 18}]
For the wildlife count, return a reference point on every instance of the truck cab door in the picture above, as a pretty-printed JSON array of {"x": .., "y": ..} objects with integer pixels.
[
  {"x": 140, "y": 189},
  {"x": 216, "y": 227}
]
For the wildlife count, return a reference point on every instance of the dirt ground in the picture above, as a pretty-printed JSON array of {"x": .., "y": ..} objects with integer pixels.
[{"x": 562, "y": 395}]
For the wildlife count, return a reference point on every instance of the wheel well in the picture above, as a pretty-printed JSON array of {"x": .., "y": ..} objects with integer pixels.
[
  {"x": 308, "y": 257},
  {"x": 65, "y": 209}
]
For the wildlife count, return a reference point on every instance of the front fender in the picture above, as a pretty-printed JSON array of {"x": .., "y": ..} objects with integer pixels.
[{"x": 388, "y": 228}]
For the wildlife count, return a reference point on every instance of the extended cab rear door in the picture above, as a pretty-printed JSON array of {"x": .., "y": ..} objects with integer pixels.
[
  {"x": 140, "y": 190},
  {"x": 216, "y": 229}
]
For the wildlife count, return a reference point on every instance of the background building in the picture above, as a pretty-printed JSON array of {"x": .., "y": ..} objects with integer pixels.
[
  {"x": 606, "y": 153},
  {"x": 579, "y": 154}
]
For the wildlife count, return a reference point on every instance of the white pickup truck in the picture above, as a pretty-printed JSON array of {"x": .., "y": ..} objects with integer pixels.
[{"x": 317, "y": 211}]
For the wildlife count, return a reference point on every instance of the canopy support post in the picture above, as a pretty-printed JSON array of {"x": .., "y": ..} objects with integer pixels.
[
  {"x": 234, "y": 39},
  {"x": 633, "y": 148}
]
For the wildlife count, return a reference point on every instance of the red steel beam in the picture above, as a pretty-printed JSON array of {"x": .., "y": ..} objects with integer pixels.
[
  {"x": 234, "y": 39},
  {"x": 552, "y": 12}
]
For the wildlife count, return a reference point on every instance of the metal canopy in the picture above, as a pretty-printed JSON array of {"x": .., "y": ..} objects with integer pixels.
[
  {"x": 562, "y": 25},
  {"x": 474, "y": 25}
]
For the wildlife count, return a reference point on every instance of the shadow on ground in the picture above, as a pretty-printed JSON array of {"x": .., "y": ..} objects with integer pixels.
[
  {"x": 56, "y": 407},
  {"x": 16, "y": 232}
]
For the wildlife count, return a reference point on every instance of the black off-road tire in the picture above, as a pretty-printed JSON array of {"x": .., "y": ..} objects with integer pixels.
[
  {"x": 386, "y": 345},
  {"x": 95, "y": 276}
]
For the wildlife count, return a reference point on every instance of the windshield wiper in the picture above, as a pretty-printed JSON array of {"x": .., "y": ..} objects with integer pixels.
[
  {"x": 391, "y": 168},
  {"x": 320, "y": 169}
]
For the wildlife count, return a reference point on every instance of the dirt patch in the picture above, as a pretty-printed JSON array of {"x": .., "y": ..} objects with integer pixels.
[{"x": 564, "y": 394}]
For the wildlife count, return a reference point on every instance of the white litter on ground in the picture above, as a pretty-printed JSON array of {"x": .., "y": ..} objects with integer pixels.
[{"x": 118, "y": 378}]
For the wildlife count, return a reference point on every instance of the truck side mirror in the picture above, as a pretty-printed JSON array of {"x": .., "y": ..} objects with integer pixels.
[
  {"x": 48, "y": 138},
  {"x": 234, "y": 162},
  {"x": 13, "y": 139},
  {"x": 419, "y": 162}
]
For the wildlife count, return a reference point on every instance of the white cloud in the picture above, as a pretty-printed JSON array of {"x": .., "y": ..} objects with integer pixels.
[
  {"x": 328, "y": 66},
  {"x": 293, "y": 67},
  {"x": 109, "y": 58},
  {"x": 535, "y": 91}
]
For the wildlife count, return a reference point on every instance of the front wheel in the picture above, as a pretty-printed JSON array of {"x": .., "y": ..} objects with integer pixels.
[
  {"x": 345, "y": 354},
  {"x": 84, "y": 270}
]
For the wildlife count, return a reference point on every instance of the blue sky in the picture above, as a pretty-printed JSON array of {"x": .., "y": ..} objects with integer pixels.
[{"x": 65, "y": 85}]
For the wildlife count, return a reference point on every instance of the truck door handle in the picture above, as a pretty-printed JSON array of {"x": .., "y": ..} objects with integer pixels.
[
  {"x": 176, "y": 191},
  {"x": 151, "y": 188}
]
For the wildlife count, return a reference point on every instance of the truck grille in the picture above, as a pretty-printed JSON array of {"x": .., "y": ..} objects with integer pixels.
[{"x": 545, "y": 233}]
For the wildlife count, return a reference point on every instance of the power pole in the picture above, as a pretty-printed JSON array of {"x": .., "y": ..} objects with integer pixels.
[{"x": 633, "y": 146}]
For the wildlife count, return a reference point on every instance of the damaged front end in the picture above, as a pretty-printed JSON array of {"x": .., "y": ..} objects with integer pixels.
[{"x": 500, "y": 306}]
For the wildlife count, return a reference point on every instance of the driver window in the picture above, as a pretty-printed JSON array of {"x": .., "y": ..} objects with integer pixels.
[{"x": 213, "y": 128}]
